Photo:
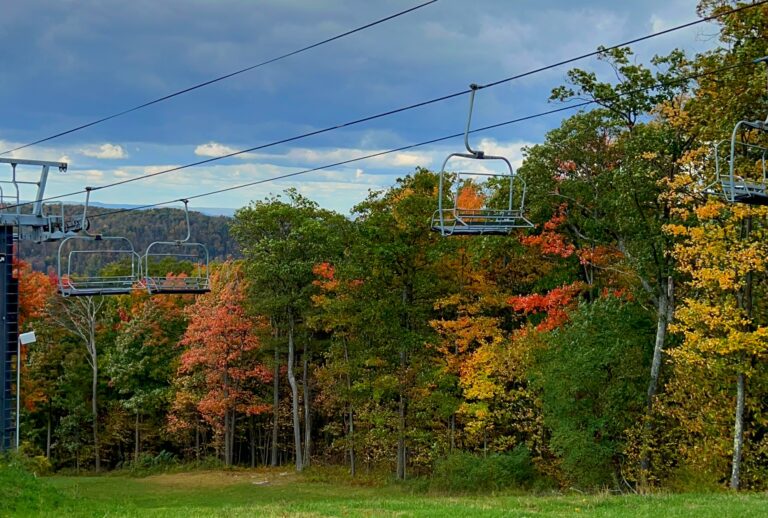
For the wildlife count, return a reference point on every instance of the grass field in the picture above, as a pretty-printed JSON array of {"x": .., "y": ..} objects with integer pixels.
[{"x": 280, "y": 493}]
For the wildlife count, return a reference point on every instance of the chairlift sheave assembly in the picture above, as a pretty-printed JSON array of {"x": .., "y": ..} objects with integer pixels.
[
  {"x": 451, "y": 219},
  {"x": 157, "y": 281},
  {"x": 742, "y": 173},
  {"x": 34, "y": 221},
  {"x": 83, "y": 258}
]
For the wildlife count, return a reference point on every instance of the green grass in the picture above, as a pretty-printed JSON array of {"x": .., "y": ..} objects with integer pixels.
[
  {"x": 24, "y": 493},
  {"x": 281, "y": 493}
]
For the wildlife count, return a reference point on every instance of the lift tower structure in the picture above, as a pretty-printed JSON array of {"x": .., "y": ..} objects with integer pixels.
[{"x": 21, "y": 220}]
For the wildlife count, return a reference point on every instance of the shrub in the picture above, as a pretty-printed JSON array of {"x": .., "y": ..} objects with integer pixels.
[
  {"x": 32, "y": 460},
  {"x": 467, "y": 472},
  {"x": 148, "y": 463}
]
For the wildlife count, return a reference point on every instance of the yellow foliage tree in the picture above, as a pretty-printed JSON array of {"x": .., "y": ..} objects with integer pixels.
[{"x": 723, "y": 254}]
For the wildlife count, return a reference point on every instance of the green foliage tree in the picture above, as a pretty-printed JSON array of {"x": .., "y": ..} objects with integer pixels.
[
  {"x": 591, "y": 385},
  {"x": 282, "y": 241}
]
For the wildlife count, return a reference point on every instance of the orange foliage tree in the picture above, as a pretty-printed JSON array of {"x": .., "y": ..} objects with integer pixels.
[
  {"x": 219, "y": 367},
  {"x": 35, "y": 289}
]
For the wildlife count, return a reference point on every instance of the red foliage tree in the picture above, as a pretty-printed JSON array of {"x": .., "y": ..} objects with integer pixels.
[{"x": 220, "y": 357}]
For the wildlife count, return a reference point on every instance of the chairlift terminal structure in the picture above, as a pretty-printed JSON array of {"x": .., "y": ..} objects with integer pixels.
[
  {"x": 82, "y": 256},
  {"x": 37, "y": 225}
]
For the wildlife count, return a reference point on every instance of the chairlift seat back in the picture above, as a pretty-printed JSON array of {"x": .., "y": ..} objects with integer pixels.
[
  {"x": 157, "y": 280},
  {"x": 742, "y": 173},
  {"x": 455, "y": 220},
  {"x": 82, "y": 261}
]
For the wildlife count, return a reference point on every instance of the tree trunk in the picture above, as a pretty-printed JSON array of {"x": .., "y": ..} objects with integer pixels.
[
  {"x": 227, "y": 422},
  {"x": 197, "y": 438},
  {"x": 48, "y": 435},
  {"x": 453, "y": 432},
  {"x": 401, "y": 455},
  {"x": 81, "y": 316},
  {"x": 294, "y": 396},
  {"x": 738, "y": 426},
  {"x": 352, "y": 458},
  {"x": 232, "y": 427},
  {"x": 401, "y": 452},
  {"x": 275, "y": 405},
  {"x": 351, "y": 428},
  {"x": 307, "y": 413},
  {"x": 226, "y": 438},
  {"x": 252, "y": 433},
  {"x": 136, "y": 438},
  {"x": 664, "y": 314},
  {"x": 94, "y": 403},
  {"x": 738, "y": 431}
]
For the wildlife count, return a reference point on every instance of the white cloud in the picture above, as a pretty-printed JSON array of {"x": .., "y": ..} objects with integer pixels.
[
  {"x": 214, "y": 149},
  {"x": 307, "y": 157},
  {"x": 338, "y": 188},
  {"x": 91, "y": 176},
  {"x": 106, "y": 151}
]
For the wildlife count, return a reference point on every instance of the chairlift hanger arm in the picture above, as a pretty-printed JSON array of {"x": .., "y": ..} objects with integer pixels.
[
  {"x": 84, "y": 221},
  {"x": 186, "y": 218},
  {"x": 475, "y": 153}
]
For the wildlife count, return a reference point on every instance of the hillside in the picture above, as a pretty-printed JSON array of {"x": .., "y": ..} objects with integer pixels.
[{"x": 142, "y": 227}]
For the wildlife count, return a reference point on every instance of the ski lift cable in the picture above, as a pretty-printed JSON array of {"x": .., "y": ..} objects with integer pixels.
[
  {"x": 412, "y": 146},
  {"x": 367, "y": 26},
  {"x": 396, "y": 110},
  {"x": 217, "y": 79},
  {"x": 602, "y": 50}
]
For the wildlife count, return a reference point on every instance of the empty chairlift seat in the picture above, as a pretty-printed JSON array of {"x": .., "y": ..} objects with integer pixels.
[
  {"x": 465, "y": 207},
  {"x": 176, "y": 267},
  {"x": 97, "y": 265},
  {"x": 93, "y": 264},
  {"x": 742, "y": 171},
  {"x": 741, "y": 174}
]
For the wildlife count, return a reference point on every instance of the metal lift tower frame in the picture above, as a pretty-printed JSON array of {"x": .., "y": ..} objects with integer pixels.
[{"x": 19, "y": 225}]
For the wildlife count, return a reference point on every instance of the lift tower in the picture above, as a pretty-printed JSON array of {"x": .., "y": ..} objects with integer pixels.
[{"x": 21, "y": 220}]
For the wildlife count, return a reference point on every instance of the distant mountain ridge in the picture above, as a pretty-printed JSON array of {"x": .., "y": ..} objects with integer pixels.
[
  {"x": 208, "y": 211},
  {"x": 142, "y": 227}
]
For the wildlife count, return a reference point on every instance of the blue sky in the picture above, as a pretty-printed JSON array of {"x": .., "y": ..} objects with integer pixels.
[{"x": 67, "y": 62}]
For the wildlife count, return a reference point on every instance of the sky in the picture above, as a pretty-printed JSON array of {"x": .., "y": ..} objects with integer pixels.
[{"x": 71, "y": 61}]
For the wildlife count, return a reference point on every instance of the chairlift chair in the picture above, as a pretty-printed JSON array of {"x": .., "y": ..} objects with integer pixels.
[
  {"x": 82, "y": 258},
  {"x": 450, "y": 219},
  {"x": 743, "y": 176},
  {"x": 158, "y": 281}
]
